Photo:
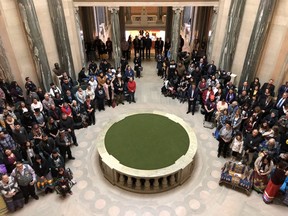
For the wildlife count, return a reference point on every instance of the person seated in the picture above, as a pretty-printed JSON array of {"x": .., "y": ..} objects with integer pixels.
[
  {"x": 64, "y": 182},
  {"x": 83, "y": 76}
]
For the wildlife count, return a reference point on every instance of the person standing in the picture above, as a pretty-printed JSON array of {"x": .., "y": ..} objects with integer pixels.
[
  {"x": 142, "y": 47},
  {"x": 275, "y": 182},
  {"x": 67, "y": 124},
  {"x": 137, "y": 65},
  {"x": 262, "y": 169},
  {"x": 136, "y": 44},
  {"x": 100, "y": 97},
  {"x": 125, "y": 48},
  {"x": 26, "y": 178},
  {"x": 131, "y": 85},
  {"x": 109, "y": 48},
  {"x": 167, "y": 47},
  {"x": 63, "y": 142},
  {"x": 89, "y": 107},
  {"x": 119, "y": 89},
  {"x": 161, "y": 45},
  {"x": 148, "y": 45},
  {"x": 11, "y": 193},
  {"x": 192, "y": 98},
  {"x": 225, "y": 138}
]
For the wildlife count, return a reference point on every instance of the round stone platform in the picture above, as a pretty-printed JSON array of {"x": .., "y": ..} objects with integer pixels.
[{"x": 161, "y": 166}]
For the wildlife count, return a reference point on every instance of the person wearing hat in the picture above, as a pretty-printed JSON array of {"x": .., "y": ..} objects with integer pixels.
[
  {"x": 225, "y": 138},
  {"x": 119, "y": 89},
  {"x": 63, "y": 142}
]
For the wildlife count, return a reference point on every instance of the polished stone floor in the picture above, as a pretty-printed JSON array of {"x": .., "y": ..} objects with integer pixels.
[{"x": 199, "y": 195}]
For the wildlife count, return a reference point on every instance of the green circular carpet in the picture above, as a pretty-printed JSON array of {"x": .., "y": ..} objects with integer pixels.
[{"x": 146, "y": 141}]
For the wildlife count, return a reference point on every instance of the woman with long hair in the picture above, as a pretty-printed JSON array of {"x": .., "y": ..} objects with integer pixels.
[{"x": 262, "y": 168}]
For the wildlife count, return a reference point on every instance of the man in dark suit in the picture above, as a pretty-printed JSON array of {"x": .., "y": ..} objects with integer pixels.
[
  {"x": 192, "y": 98},
  {"x": 268, "y": 85},
  {"x": 148, "y": 45},
  {"x": 281, "y": 103},
  {"x": 211, "y": 69},
  {"x": 244, "y": 87},
  {"x": 282, "y": 89}
]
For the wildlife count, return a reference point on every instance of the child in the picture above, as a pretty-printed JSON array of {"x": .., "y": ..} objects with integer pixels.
[{"x": 237, "y": 145}]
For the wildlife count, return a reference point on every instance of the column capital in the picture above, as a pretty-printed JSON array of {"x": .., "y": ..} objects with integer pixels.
[
  {"x": 113, "y": 9},
  {"x": 178, "y": 9}
]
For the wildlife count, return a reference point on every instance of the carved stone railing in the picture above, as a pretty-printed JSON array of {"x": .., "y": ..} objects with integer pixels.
[{"x": 148, "y": 181}]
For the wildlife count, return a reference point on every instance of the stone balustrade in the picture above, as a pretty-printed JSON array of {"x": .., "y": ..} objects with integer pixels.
[{"x": 148, "y": 181}]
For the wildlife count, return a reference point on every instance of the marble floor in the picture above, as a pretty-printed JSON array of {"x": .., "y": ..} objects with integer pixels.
[{"x": 199, "y": 195}]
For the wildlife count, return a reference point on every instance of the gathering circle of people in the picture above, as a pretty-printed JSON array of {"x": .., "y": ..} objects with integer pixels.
[{"x": 38, "y": 128}]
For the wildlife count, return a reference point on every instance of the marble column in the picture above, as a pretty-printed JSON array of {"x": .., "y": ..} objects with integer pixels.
[
  {"x": 212, "y": 30},
  {"x": 35, "y": 41},
  {"x": 88, "y": 23},
  {"x": 257, "y": 39},
  {"x": 159, "y": 15},
  {"x": 122, "y": 22},
  {"x": 61, "y": 35},
  {"x": 202, "y": 19},
  {"x": 232, "y": 31},
  {"x": 128, "y": 15},
  {"x": 186, "y": 15},
  {"x": 5, "y": 69},
  {"x": 80, "y": 36},
  {"x": 194, "y": 33},
  {"x": 176, "y": 32},
  {"x": 115, "y": 34},
  {"x": 169, "y": 17}
]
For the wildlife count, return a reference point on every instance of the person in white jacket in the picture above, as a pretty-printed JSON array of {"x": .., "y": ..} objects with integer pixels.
[{"x": 237, "y": 146}]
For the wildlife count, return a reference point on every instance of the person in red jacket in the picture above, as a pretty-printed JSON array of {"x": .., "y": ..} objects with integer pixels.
[{"x": 131, "y": 85}]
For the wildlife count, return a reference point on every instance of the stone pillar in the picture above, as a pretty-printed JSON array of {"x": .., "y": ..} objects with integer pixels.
[
  {"x": 35, "y": 41},
  {"x": 97, "y": 29},
  {"x": 194, "y": 34},
  {"x": 159, "y": 15},
  {"x": 128, "y": 15},
  {"x": 186, "y": 15},
  {"x": 201, "y": 23},
  {"x": 80, "y": 35},
  {"x": 88, "y": 23},
  {"x": 257, "y": 39},
  {"x": 169, "y": 16},
  {"x": 232, "y": 32},
  {"x": 116, "y": 34},
  {"x": 176, "y": 32},
  {"x": 5, "y": 69},
  {"x": 61, "y": 35},
  {"x": 122, "y": 22},
  {"x": 211, "y": 37}
]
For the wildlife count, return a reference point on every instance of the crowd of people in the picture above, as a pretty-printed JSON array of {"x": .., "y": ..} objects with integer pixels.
[
  {"x": 251, "y": 120},
  {"x": 37, "y": 128}
]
